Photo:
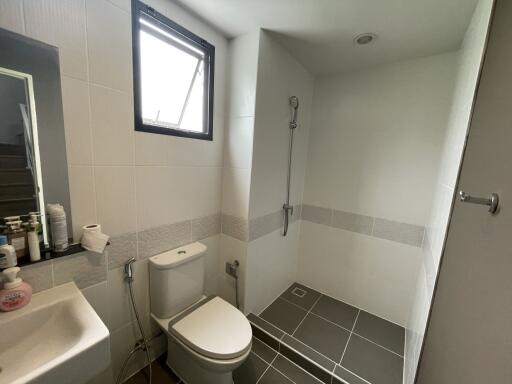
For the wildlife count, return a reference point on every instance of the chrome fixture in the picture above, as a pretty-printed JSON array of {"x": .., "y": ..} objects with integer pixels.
[
  {"x": 232, "y": 270},
  {"x": 142, "y": 344},
  {"x": 287, "y": 208},
  {"x": 492, "y": 202}
]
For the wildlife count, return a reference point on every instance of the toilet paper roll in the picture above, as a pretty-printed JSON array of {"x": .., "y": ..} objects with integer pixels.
[
  {"x": 91, "y": 228},
  {"x": 93, "y": 239}
]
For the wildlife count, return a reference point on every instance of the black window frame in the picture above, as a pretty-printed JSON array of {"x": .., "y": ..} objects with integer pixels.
[{"x": 138, "y": 9}]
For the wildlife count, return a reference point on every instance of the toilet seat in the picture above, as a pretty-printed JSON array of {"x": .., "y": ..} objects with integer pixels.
[{"x": 215, "y": 329}]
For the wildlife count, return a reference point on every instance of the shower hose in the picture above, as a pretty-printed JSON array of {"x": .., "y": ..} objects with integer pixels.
[{"x": 141, "y": 344}]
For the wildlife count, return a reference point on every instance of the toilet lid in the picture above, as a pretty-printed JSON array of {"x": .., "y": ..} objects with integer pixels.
[{"x": 216, "y": 329}]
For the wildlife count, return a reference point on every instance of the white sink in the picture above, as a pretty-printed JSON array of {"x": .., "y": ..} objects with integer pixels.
[{"x": 57, "y": 338}]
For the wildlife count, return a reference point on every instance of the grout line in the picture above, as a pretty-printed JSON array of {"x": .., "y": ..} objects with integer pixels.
[
  {"x": 296, "y": 365},
  {"x": 355, "y": 374},
  {"x": 308, "y": 312},
  {"x": 349, "y": 336},
  {"x": 378, "y": 345},
  {"x": 270, "y": 365}
]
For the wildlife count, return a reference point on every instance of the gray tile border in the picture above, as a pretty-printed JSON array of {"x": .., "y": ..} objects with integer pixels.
[
  {"x": 318, "y": 215},
  {"x": 410, "y": 234},
  {"x": 39, "y": 276},
  {"x": 206, "y": 226},
  {"x": 236, "y": 227},
  {"x": 157, "y": 240},
  {"x": 352, "y": 222},
  {"x": 264, "y": 225},
  {"x": 85, "y": 269},
  {"x": 121, "y": 249}
]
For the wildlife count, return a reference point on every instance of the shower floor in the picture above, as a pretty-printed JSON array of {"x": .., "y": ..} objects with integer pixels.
[{"x": 355, "y": 345}]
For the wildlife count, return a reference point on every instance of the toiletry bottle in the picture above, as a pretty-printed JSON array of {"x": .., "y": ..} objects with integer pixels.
[
  {"x": 17, "y": 236},
  {"x": 33, "y": 238},
  {"x": 16, "y": 293},
  {"x": 58, "y": 227},
  {"x": 8, "y": 257}
]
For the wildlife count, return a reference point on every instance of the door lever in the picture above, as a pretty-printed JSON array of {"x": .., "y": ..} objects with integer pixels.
[{"x": 491, "y": 202}]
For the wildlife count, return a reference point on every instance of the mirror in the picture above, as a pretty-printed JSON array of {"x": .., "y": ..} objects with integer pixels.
[{"x": 33, "y": 165}]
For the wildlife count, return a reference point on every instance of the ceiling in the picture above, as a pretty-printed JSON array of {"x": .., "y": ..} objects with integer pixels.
[{"x": 320, "y": 33}]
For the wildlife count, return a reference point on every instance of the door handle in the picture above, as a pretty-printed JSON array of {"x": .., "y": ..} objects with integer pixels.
[{"x": 492, "y": 202}]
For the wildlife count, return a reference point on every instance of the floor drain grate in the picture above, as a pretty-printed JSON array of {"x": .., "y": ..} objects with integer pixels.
[{"x": 299, "y": 292}]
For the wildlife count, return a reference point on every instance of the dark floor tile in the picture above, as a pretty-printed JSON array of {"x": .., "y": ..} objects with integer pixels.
[
  {"x": 263, "y": 350},
  {"x": 293, "y": 371},
  {"x": 302, "y": 296},
  {"x": 336, "y": 311},
  {"x": 372, "y": 362},
  {"x": 345, "y": 376},
  {"x": 265, "y": 331},
  {"x": 307, "y": 358},
  {"x": 160, "y": 371},
  {"x": 274, "y": 377},
  {"x": 381, "y": 331},
  {"x": 283, "y": 315},
  {"x": 323, "y": 336},
  {"x": 250, "y": 371}
]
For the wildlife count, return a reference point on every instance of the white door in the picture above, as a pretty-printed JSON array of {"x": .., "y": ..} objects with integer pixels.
[{"x": 469, "y": 336}]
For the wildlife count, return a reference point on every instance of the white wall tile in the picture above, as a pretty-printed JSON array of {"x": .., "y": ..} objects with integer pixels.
[
  {"x": 97, "y": 296},
  {"x": 232, "y": 249},
  {"x": 243, "y": 62},
  {"x": 62, "y": 24},
  {"x": 75, "y": 100},
  {"x": 120, "y": 307},
  {"x": 235, "y": 191},
  {"x": 239, "y": 138},
  {"x": 11, "y": 15},
  {"x": 112, "y": 126},
  {"x": 153, "y": 189},
  {"x": 83, "y": 198},
  {"x": 151, "y": 149},
  {"x": 109, "y": 44},
  {"x": 205, "y": 191},
  {"x": 115, "y": 199}
]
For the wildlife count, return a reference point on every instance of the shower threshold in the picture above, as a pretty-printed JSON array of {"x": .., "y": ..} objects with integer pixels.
[{"x": 332, "y": 340}]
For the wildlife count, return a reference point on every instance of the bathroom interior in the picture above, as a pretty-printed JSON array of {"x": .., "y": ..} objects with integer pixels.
[{"x": 296, "y": 160}]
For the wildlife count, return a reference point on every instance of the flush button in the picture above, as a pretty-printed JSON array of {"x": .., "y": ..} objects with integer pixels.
[{"x": 181, "y": 252}]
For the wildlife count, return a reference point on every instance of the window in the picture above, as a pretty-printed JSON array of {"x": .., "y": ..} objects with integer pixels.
[{"x": 173, "y": 77}]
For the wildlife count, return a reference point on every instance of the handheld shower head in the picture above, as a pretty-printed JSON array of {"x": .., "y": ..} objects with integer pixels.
[{"x": 294, "y": 104}]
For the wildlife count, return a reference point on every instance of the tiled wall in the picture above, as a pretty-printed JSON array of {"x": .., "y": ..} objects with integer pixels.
[
  {"x": 374, "y": 148},
  {"x": 149, "y": 192},
  {"x": 469, "y": 59},
  {"x": 262, "y": 76},
  {"x": 272, "y": 258}
]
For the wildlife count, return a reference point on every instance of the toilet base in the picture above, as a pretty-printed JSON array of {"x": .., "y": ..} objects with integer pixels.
[{"x": 189, "y": 370}]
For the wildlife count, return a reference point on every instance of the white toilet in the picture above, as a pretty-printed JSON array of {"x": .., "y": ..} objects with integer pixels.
[{"x": 207, "y": 337}]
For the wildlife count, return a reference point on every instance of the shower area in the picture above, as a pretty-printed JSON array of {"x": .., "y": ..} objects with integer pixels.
[{"x": 337, "y": 190}]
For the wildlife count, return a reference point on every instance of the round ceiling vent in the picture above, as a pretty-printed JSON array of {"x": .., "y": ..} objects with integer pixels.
[{"x": 365, "y": 38}]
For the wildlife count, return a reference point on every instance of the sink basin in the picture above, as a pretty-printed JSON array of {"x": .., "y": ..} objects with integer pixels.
[{"x": 57, "y": 338}]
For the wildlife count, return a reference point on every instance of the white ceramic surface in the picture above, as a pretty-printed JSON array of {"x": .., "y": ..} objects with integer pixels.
[{"x": 56, "y": 338}]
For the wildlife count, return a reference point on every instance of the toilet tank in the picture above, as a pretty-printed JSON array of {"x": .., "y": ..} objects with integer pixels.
[{"x": 176, "y": 279}]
